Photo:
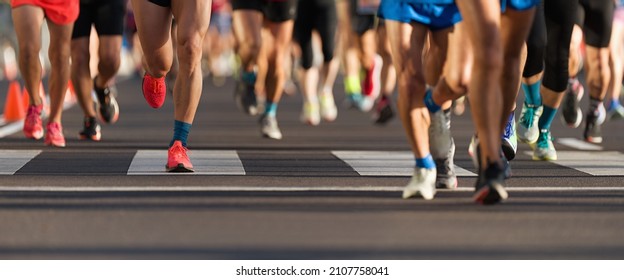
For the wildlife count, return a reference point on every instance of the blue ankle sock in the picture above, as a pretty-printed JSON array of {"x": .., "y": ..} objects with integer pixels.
[
  {"x": 270, "y": 109},
  {"x": 532, "y": 94},
  {"x": 548, "y": 115},
  {"x": 430, "y": 103},
  {"x": 426, "y": 162},
  {"x": 180, "y": 132},
  {"x": 612, "y": 104},
  {"x": 248, "y": 77}
]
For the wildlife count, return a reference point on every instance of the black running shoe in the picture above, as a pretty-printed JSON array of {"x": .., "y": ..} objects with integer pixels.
[
  {"x": 90, "y": 130},
  {"x": 245, "y": 98},
  {"x": 383, "y": 111},
  {"x": 592, "y": 132},
  {"x": 570, "y": 109},
  {"x": 490, "y": 187},
  {"x": 108, "y": 109}
]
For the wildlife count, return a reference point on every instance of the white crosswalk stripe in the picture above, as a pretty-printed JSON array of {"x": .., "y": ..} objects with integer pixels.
[
  {"x": 597, "y": 163},
  {"x": 12, "y": 160},
  {"x": 205, "y": 162},
  {"x": 380, "y": 163},
  {"x": 578, "y": 144}
]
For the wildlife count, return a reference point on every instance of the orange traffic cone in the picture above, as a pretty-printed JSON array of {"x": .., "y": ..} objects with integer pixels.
[
  {"x": 13, "y": 109},
  {"x": 70, "y": 94}
]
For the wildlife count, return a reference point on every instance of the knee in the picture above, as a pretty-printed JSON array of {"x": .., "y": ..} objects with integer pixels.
[
  {"x": 110, "y": 59},
  {"x": 59, "y": 54},
  {"x": 190, "y": 47},
  {"x": 29, "y": 52},
  {"x": 252, "y": 47}
]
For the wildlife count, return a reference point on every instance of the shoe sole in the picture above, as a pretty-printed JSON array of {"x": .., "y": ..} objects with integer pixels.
[
  {"x": 34, "y": 137},
  {"x": 446, "y": 183},
  {"x": 579, "y": 112},
  {"x": 490, "y": 195},
  {"x": 239, "y": 99},
  {"x": 55, "y": 145},
  {"x": 385, "y": 115},
  {"x": 508, "y": 150},
  {"x": 115, "y": 108},
  {"x": 594, "y": 140},
  {"x": 95, "y": 138},
  {"x": 180, "y": 168},
  {"x": 544, "y": 158}
]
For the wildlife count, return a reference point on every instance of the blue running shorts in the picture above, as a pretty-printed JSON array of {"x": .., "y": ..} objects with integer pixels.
[
  {"x": 433, "y": 15},
  {"x": 519, "y": 5}
]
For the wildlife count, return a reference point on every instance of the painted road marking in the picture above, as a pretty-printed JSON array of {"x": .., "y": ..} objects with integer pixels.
[
  {"x": 13, "y": 160},
  {"x": 380, "y": 163},
  {"x": 205, "y": 162},
  {"x": 578, "y": 144}
]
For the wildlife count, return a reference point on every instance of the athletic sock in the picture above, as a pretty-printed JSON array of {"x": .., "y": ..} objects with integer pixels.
[
  {"x": 433, "y": 108},
  {"x": 613, "y": 103},
  {"x": 548, "y": 115},
  {"x": 270, "y": 109},
  {"x": 352, "y": 85},
  {"x": 532, "y": 94},
  {"x": 180, "y": 132},
  {"x": 593, "y": 105},
  {"x": 249, "y": 77},
  {"x": 426, "y": 162}
]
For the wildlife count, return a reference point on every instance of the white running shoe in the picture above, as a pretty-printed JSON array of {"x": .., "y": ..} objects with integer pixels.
[{"x": 423, "y": 183}]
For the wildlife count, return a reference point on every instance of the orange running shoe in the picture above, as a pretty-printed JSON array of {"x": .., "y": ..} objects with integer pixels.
[
  {"x": 154, "y": 90},
  {"x": 54, "y": 137},
  {"x": 33, "y": 126},
  {"x": 177, "y": 160}
]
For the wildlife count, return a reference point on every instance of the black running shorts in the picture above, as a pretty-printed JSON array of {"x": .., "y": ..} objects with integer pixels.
[
  {"x": 361, "y": 22},
  {"x": 162, "y": 3},
  {"x": 107, "y": 16},
  {"x": 273, "y": 10}
]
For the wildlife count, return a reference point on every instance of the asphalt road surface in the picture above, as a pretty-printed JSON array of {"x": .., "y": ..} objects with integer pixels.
[{"x": 326, "y": 192}]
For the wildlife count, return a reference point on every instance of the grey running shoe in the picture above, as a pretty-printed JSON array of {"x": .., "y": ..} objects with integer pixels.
[
  {"x": 269, "y": 128},
  {"x": 445, "y": 167},
  {"x": 440, "y": 139}
]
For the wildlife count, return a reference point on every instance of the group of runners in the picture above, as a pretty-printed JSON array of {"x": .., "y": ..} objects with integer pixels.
[{"x": 434, "y": 52}]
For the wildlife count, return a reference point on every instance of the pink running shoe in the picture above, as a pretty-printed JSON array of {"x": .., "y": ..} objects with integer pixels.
[
  {"x": 54, "y": 137},
  {"x": 33, "y": 126},
  {"x": 177, "y": 160},
  {"x": 154, "y": 90}
]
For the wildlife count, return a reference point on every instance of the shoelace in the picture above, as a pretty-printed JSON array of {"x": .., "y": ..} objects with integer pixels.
[
  {"x": 508, "y": 129},
  {"x": 179, "y": 152},
  {"x": 543, "y": 140},
  {"x": 33, "y": 117},
  {"x": 527, "y": 117}
]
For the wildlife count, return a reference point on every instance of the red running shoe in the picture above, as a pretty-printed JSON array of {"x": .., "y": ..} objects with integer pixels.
[
  {"x": 54, "y": 136},
  {"x": 154, "y": 90},
  {"x": 33, "y": 126},
  {"x": 177, "y": 160}
]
